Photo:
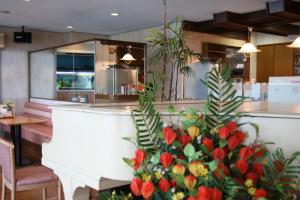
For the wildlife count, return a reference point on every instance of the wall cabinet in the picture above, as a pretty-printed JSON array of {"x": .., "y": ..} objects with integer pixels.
[{"x": 274, "y": 60}]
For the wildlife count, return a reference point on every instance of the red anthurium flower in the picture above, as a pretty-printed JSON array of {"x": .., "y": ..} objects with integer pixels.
[
  {"x": 164, "y": 185},
  {"x": 216, "y": 194},
  {"x": 208, "y": 143},
  {"x": 135, "y": 186},
  {"x": 242, "y": 166},
  {"x": 166, "y": 159},
  {"x": 224, "y": 132},
  {"x": 184, "y": 139},
  {"x": 231, "y": 126},
  {"x": 140, "y": 155},
  {"x": 258, "y": 150},
  {"x": 219, "y": 154},
  {"x": 233, "y": 142},
  {"x": 240, "y": 136},
  {"x": 221, "y": 171},
  {"x": 147, "y": 189},
  {"x": 135, "y": 163},
  {"x": 260, "y": 193},
  {"x": 253, "y": 176},
  {"x": 169, "y": 135},
  {"x": 245, "y": 153},
  {"x": 257, "y": 168},
  {"x": 204, "y": 193}
]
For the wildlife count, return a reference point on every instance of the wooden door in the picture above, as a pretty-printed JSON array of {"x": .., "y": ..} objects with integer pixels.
[
  {"x": 265, "y": 63},
  {"x": 283, "y": 60}
]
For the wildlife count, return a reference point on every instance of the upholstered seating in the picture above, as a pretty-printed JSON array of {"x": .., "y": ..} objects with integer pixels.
[
  {"x": 36, "y": 133},
  {"x": 30, "y": 178}
]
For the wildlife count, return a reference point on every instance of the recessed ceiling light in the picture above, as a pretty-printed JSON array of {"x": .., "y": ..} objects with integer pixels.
[
  {"x": 114, "y": 14},
  {"x": 70, "y": 27},
  {"x": 27, "y": 0}
]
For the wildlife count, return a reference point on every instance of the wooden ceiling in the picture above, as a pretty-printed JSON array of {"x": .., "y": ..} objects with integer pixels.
[{"x": 278, "y": 18}]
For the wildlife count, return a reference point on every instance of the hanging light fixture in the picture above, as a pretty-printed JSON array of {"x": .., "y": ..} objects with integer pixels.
[
  {"x": 248, "y": 47},
  {"x": 128, "y": 58},
  {"x": 295, "y": 44}
]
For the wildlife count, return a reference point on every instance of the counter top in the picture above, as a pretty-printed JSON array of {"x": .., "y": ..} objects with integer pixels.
[{"x": 253, "y": 108}]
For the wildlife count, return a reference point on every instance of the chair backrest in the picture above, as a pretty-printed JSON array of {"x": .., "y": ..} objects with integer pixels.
[
  {"x": 37, "y": 110},
  {"x": 7, "y": 160}
]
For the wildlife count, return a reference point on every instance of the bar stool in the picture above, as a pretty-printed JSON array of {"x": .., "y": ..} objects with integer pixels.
[{"x": 29, "y": 178}]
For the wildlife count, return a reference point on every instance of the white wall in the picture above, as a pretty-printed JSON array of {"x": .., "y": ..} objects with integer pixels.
[{"x": 14, "y": 61}]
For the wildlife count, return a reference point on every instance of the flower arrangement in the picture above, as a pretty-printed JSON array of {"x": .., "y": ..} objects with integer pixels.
[{"x": 204, "y": 156}]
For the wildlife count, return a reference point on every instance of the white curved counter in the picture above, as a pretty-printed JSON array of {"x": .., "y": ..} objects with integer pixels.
[{"x": 87, "y": 140}]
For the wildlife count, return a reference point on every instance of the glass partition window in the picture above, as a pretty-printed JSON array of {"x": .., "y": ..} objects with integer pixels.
[{"x": 88, "y": 72}]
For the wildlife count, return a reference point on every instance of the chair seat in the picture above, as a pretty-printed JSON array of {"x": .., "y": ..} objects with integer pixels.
[
  {"x": 34, "y": 175},
  {"x": 36, "y": 133}
]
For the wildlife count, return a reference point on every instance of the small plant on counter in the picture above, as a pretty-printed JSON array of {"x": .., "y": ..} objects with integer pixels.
[{"x": 203, "y": 156}]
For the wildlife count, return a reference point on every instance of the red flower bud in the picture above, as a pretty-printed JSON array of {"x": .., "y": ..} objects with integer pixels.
[
  {"x": 259, "y": 150},
  {"x": 204, "y": 193},
  {"x": 208, "y": 143},
  {"x": 242, "y": 166},
  {"x": 135, "y": 186},
  {"x": 140, "y": 155},
  {"x": 147, "y": 189},
  {"x": 231, "y": 126},
  {"x": 216, "y": 194},
  {"x": 245, "y": 153},
  {"x": 224, "y": 132},
  {"x": 218, "y": 154},
  {"x": 240, "y": 136},
  {"x": 169, "y": 135},
  {"x": 173, "y": 183},
  {"x": 253, "y": 176},
  {"x": 260, "y": 193},
  {"x": 184, "y": 139},
  {"x": 164, "y": 185},
  {"x": 166, "y": 159},
  {"x": 192, "y": 198},
  {"x": 221, "y": 171},
  {"x": 257, "y": 168},
  {"x": 233, "y": 142}
]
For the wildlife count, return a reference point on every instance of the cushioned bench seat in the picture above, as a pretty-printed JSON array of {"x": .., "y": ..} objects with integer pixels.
[{"x": 36, "y": 133}]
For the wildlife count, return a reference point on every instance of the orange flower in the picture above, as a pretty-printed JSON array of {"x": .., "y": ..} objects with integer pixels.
[
  {"x": 190, "y": 182},
  {"x": 135, "y": 186},
  {"x": 197, "y": 168},
  {"x": 147, "y": 189},
  {"x": 193, "y": 131},
  {"x": 178, "y": 169},
  {"x": 169, "y": 135},
  {"x": 166, "y": 159}
]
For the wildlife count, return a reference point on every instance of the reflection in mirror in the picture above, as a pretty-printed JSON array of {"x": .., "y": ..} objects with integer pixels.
[{"x": 75, "y": 72}]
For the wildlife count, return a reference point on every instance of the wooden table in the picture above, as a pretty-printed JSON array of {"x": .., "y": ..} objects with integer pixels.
[{"x": 15, "y": 129}]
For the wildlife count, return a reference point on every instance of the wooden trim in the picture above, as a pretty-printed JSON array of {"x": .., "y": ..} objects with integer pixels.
[{"x": 103, "y": 41}]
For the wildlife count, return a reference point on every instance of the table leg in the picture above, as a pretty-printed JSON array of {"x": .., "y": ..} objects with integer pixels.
[{"x": 17, "y": 140}]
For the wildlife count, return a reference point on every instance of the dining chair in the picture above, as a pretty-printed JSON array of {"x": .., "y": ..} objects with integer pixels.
[{"x": 28, "y": 178}]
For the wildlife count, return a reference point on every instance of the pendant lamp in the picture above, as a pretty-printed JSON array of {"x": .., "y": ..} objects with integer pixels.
[
  {"x": 248, "y": 47},
  {"x": 128, "y": 58}
]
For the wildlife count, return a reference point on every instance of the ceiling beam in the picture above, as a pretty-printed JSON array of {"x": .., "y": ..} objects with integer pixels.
[
  {"x": 286, "y": 9},
  {"x": 210, "y": 27},
  {"x": 259, "y": 20}
]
